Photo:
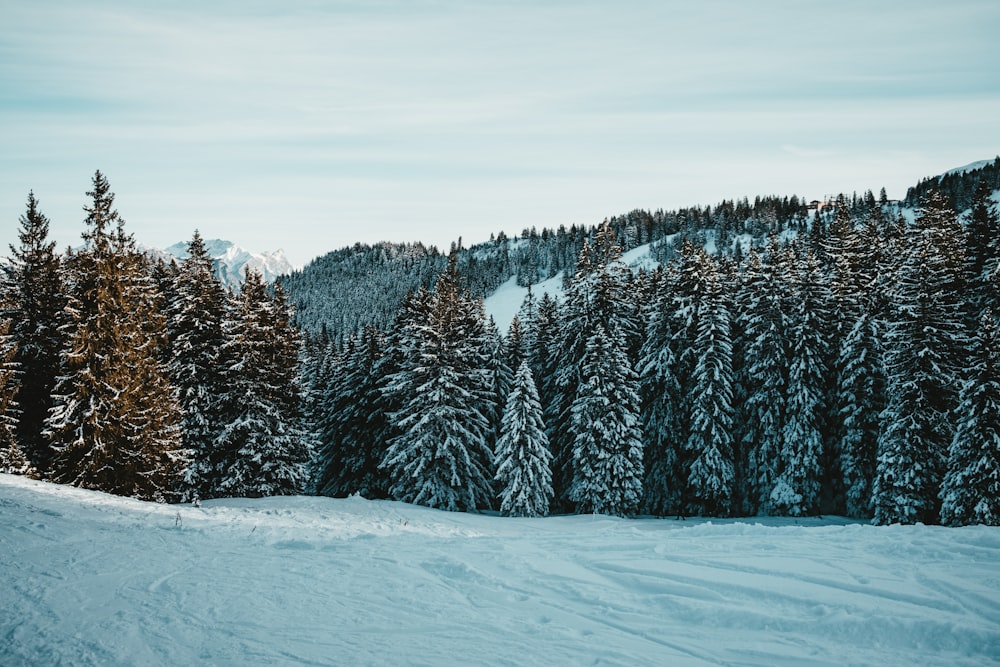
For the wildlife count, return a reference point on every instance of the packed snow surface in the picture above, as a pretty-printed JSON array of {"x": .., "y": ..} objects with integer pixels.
[{"x": 92, "y": 579}]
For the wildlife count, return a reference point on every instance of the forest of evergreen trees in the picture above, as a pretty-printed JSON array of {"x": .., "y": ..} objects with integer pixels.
[
  {"x": 144, "y": 379},
  {"x": 843, "y": 361}
]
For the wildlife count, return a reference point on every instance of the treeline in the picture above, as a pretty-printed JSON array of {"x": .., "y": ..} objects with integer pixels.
[
  {"x": 145, "y": 379},
  {"x": 851, "y": 368},
  {"x": 342, "y": 292},
  {"x": 958, "y": 187}
]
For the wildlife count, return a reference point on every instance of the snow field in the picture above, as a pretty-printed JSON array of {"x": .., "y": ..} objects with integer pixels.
[{"x": 92, "y": 579}]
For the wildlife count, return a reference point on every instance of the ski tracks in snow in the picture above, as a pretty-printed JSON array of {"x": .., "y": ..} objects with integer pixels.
[{"x": 90, "y": 579}]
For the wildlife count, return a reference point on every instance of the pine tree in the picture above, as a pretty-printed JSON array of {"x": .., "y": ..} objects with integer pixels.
[
  {"x": 501, "y": 378},
  {"x": 607, "y": 437},
  {"x": 523, "y": 460},
  {"x": 196, "y": 315},
  {"x": 926, "y": 349},
  {"x": 517, "y": 344},
  {"x": 983, "y": 250},
  {"x": 35, "y": 302},
  {"x": 765, "y": 375},
  {"x": 661, "y": 412},
  {"x": 264, "y": 447},
  {"x": 115, "y": 422},
  {"x": 352, "y": 422},
  {"x": 440, "y": 457},
  {"x": 709, "y": 446},
  {"x": 861, "y": 383},
  {"x": 970, "y": 491},
  {"x": 796, "y": 490},
  {"x": 594, "y": 297},
  {"x": 12, "y": 457}
]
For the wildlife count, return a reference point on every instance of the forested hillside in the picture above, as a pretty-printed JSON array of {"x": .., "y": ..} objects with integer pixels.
[
  {"x": 783, "y": 359},
  {"x": 832, "y": 361},
  {"x": 345, "y": 290}
]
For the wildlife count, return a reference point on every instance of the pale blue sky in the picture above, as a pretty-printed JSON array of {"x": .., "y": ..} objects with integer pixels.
[{"x": 311, "y": 125}]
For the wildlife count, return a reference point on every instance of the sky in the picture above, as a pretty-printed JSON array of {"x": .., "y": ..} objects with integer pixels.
[{"x": 312, "y": 125}]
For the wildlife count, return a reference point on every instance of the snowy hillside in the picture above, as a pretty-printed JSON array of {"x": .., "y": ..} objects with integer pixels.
[
  {"x": 503, "y": 304},
  {"x": 92, "y": 579},
  {"x": 231, "y": 261}
]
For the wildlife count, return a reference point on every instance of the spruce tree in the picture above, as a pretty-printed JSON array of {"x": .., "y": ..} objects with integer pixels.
[
  {"x": 440, "y": 457},
  {"x": 983, "y": 250},
  {"x": 926, "y": 343},
  {"x": 523, "y": 459},
  {"x": 796, "y": 490},
  {"x": 765, "y": 374},
  {"x": 661, "y": 411},
  {"x": 970, "y": 491},
  {"x": 195, "y": 320},
  {"x": 861, "y": 385},
  {"x": 12, "y": 457},
  {"x": 607, "y": 435},
  {"x": 352, "y": 422},
  {"x": 264, "y": 447},
  {"x": 115, "y": 422},
  {"x": 34, "y": 306},
  {"x": 709, "y": 446}
]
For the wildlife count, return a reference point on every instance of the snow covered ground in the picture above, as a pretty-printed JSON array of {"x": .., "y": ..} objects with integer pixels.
[{"x": 91, "y": 579}]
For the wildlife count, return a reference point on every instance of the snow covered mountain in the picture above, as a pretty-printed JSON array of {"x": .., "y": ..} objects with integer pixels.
[{"x": 231, "y": 261}]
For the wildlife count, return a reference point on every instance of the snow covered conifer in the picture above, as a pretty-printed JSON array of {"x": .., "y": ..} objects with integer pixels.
[
  {"x": 115, "y": 421},
  {"x": 970, "y": 491},
  {"x": 661, "y": 412},
  {"x": 352, "y": 421},
  {"x": 195, "y": 320},
  {"x": 440, "y": 456},
  {"x": 765, "y": 374},
  {"x": 797, "y": 489},
  {"x": 35, "y": 301},
  {"x": 861, "y": 385},
  {"x": 264, "y": 448},
  {"x": 523, "y": 459},
  {"x": 709, "y": 446},
  {"x": 12, "y": 458},
  {"x": 607, "y": 436},
  {"x": 926, "y": 342}
]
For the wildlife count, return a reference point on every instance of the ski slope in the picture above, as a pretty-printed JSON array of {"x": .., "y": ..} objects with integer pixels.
[{"x": 91, "y": 579}]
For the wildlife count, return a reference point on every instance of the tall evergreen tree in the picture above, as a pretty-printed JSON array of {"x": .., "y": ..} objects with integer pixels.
[
  {"x": 35, "y": 302},
  {"x": 264, "y": 447},
  {"x": 926, "y": 351},
  {"x": 970, "y": 492},
  {"x": 861, "y": 385},
  {"x": 523, "y": 459},
  {"x": 12, "y": 458},
  {"x": 196, "y": 316},
  {"x": 765, "y": 374},
  {"x": 797, "y": 488},
  {"x": 440, "y": 457},
  {"x": 607, "y": 445},
  {"x": 352, "y": 422},
  {"x": 115, "y": 422},
  {"x": 983, "y": 250},
  {"x": 661, "y": 411},
  {"x": 709, "y": 446}
]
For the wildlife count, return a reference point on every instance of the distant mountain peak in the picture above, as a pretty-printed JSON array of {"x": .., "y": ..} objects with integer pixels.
[{"x": 231, "y": 261}]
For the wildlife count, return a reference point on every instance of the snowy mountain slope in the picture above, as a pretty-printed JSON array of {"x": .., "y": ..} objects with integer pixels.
[
  {"x": 231, "y": 261},
  {"x": 972, "y": 166},
  {"x": 92, "y": 579},
  {"x": 503, "y": 304}
]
